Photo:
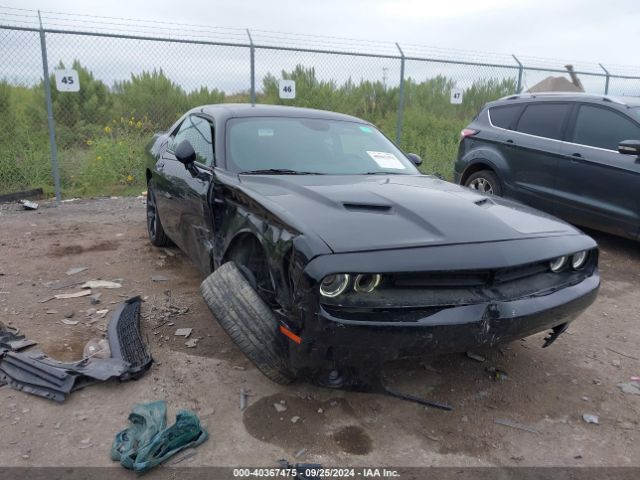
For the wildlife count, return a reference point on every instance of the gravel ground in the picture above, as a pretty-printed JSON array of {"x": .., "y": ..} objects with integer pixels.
[{"x": 547, "y": 390}]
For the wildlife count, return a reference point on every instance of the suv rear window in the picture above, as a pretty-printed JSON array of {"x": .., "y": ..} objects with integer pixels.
[
  {"x": 543, "y": 120},
  {"x": 504, "y": 117},
  {"x": 603, "y": 128}
]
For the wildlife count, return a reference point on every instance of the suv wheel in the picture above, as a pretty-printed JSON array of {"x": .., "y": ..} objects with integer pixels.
[{"x": 484, "y": 181}]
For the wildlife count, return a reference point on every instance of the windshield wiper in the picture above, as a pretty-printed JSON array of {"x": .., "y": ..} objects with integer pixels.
[{"x": 278, "y": 171}]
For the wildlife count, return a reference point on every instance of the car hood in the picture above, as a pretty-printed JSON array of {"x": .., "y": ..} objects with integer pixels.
[{"x": 372, "y": 212}]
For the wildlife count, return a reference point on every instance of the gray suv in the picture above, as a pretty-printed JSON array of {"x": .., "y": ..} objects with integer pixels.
[{"x": 574, "y": 155}]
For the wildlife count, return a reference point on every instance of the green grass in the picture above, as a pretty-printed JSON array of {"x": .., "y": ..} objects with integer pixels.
[{"x": 102, "y": 133}]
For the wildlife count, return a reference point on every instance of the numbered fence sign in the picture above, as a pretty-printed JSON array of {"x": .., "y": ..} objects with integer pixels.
[
  {"x": 287, "y": 88},
  {"x": 67, "y": 80},
  {"x": 456, "y": 96}
]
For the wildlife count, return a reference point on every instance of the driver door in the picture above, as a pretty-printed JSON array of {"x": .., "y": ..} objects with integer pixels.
[{"x": 192, "y": 226}]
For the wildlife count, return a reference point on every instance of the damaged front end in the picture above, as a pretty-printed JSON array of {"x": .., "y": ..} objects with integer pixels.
[
  {"x": 34, "y": 372},
  {"x": 407, "y": 304}
]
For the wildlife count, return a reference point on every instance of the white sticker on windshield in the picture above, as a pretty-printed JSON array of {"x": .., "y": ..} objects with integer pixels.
[
  {"x": 386, "y": 160},
  {"x": 265, "y": 132}
]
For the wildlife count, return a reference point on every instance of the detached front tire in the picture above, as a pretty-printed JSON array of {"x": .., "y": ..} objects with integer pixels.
[
  {"x": 485, "y": 181},
  {"x": 247, "y": 319}
]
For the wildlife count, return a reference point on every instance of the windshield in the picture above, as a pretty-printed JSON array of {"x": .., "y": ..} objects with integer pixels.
[{"x": 282, "y": 145}]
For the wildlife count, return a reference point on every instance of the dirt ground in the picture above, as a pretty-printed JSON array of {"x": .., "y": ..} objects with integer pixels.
[{"x": 548, "y": 390}]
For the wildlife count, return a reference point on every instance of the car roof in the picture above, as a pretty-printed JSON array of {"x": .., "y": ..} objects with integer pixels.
[
  {"x": 572, "y": 96},
  {"x": 230, "y": 110}
]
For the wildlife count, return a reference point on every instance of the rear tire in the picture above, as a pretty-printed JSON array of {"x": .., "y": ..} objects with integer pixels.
[
  {"x": 247, "y": 319},
  {"x": 157, "y": 236},
  {"x": 484, "y": 181}
]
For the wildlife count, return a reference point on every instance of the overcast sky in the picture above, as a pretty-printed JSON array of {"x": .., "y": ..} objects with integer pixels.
[{"x": 577, "y": 30}]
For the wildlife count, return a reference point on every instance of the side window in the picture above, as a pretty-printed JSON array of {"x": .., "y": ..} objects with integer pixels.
[
  {"x": 603, "y": 128},
  {"x": 543, "y": 119},
  {"x": 199, "y": 133},
  {"x": 504, "y": 117}
]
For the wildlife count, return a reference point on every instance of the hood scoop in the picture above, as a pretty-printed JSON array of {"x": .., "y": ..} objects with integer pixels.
[{"x": 367, "y": 207}]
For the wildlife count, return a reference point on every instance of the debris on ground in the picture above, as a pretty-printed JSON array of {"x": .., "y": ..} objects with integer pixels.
[
  {"x": 517, "y": 425},
  {"x": 28, "y": 205},
  {"x": 95, "y": 299},
  {"x": 299, "y": 453},
  {"x": 148, "y": 442},
  {"x": 101, "y": 284},
  {"x": 183, "y": 332},
  {"x": 159, "y": 278},
  {"x": 10, "y": 340},
  {"x": 279, "y": 407},
  {"x": 102, "y": 313},
  {"x": 295, "y": 419},
  {"x": 497, "y": 374},
  {"x": 193, "y": 343},
  {"x": 243, "y": 399},
  {"x": 66, "y": 321},
  {"x": 632, "y": 387},
  {"x": 96, "y": 347},
  {"x": 81, "y": 293},
  {"x": 36, "y": 373},
  {"x": 68, "y": 315},
  {"x": 475, "y": 356},
  {"x": 75, "y": 270},
  {"x": 590, "y": 418}
]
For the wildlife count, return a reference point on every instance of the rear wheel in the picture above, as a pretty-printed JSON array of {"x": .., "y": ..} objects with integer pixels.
[
  {"x": 247, "y": 319},
  {"x": 484, "y": 181},
  {"x": 154, "y": 225}
]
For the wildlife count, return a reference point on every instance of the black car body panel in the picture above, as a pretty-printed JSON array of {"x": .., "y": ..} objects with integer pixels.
[
  {"x": 562, "y": 173},
  {"x": 460, "y": 269}
]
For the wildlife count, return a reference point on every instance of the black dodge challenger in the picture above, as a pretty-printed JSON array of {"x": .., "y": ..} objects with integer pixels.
[{"x": 330, "y": 254}]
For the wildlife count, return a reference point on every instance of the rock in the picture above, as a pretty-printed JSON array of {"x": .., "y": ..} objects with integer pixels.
[
  {"x": 320, "y": 411},
  {"x": 615, "y": 362},
  {"x": 632, "y": 388},
  {"x": 66, "y": 321},
  {"x": 279, "y": 407},
  {"x": 193, "y": 343},
  {"x": 68, "y": 315},
  {"x": 95, "y": 299},
  {"x": 295, "y": 419},
  {"x": 590, "y": 418}
]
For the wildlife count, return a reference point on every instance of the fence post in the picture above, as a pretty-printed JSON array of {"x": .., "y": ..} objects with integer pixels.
[
  {"x": 50, "y": 122},
  {"x": 253, "y": 68},
  {"x": 400, "y": 97},
  {"x": 520, "y": 69},
  {"x": 606, "y": 82}
]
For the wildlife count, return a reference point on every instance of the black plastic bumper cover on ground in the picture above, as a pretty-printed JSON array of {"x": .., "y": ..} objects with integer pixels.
[{"x": 33, "y": 372}]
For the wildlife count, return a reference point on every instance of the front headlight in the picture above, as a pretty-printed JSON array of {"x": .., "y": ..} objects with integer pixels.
[
  {"x": 558, "y": 263},
  {"x": 334, "y": 285},
  {"x": 579, "y": 259},
  {"x": 366, "y": 282}
]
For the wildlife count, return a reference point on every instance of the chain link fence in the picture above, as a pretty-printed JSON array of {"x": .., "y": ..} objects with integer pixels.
[{"x": 138, "y": 77}]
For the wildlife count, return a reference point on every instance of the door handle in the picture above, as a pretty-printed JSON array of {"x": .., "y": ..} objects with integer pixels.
[
  {"x": 509, "y": 142},
  {"x": 575, "y": 157}
]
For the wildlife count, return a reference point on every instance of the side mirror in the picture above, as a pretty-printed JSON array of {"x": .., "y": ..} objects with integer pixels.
[
  {"x": 185, "y": 153},
  {"x": 415, "y": 158},
  {"x": 629, "y": 147}
]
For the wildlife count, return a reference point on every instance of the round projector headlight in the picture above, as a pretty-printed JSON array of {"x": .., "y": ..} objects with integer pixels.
[
  {"x": 366, "y": 283},
  {"x": 579, "y": 259},
  {"x": 557, "y": 264},
  {"x": 334, "y": 285}
]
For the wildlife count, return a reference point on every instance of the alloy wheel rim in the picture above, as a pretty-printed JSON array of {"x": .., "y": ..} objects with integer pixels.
[
  {"x": 482, "y": 185},
  {"x": 151, "y": 214}
]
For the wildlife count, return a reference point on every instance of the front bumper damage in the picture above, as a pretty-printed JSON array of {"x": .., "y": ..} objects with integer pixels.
[
  {"x": 34, "y": 372},
  {"x": 340, "y": 351}
]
